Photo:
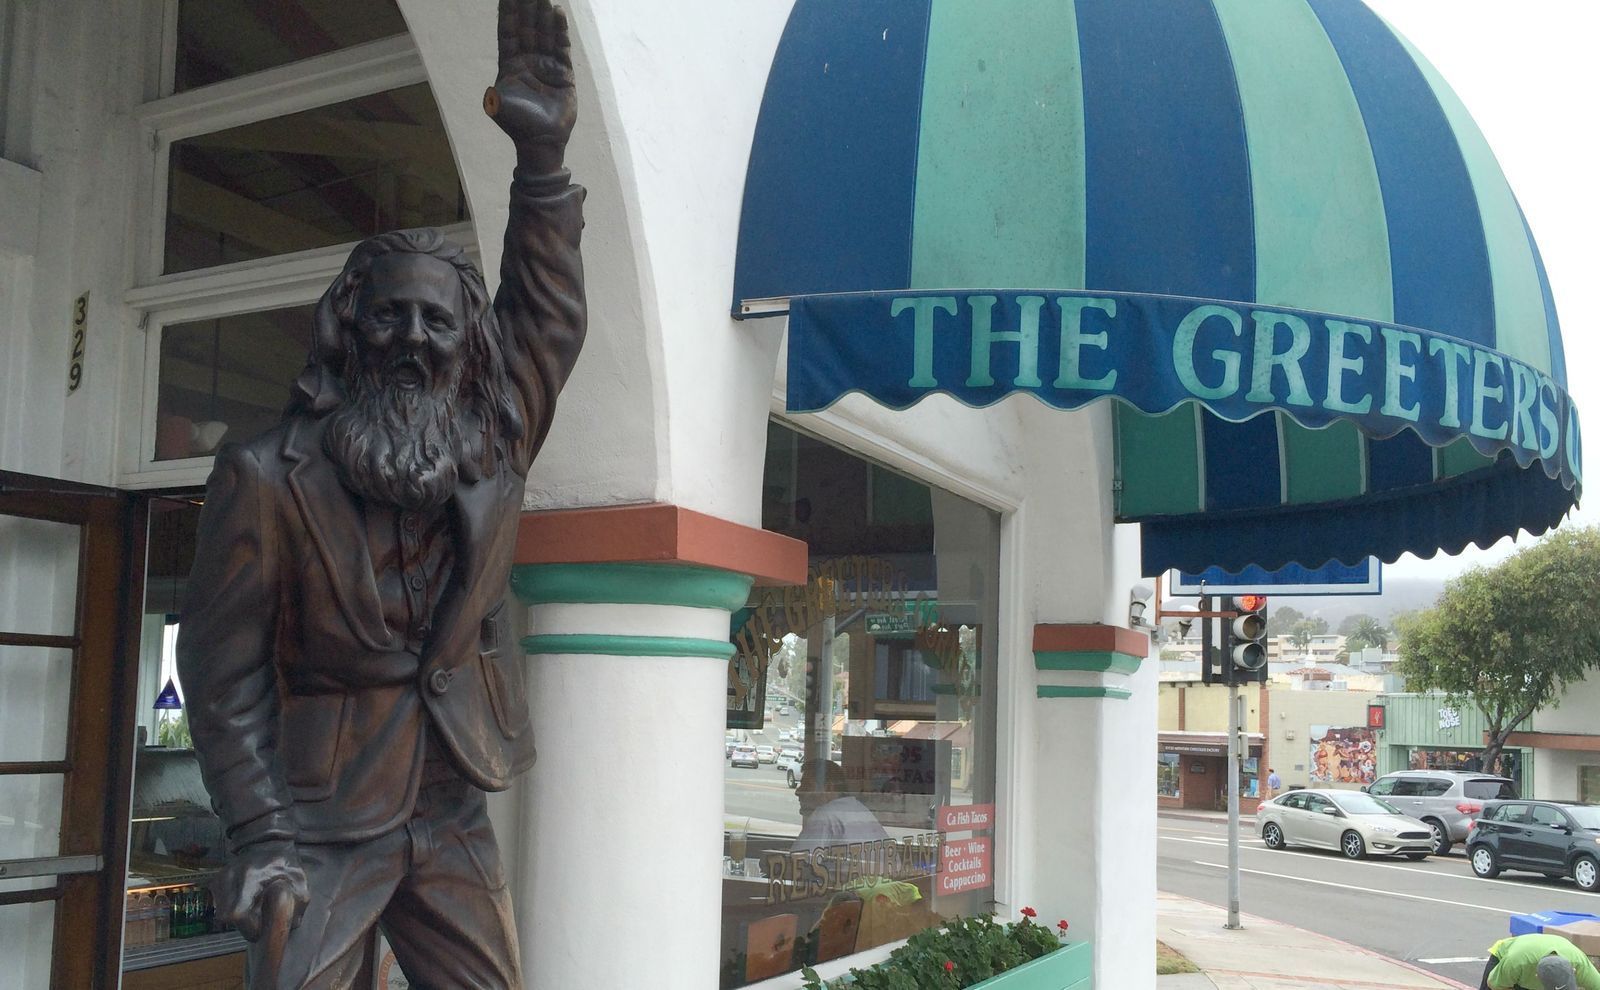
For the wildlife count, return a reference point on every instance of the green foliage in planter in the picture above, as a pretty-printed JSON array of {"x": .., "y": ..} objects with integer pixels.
[{"x": 977, "y": 948}]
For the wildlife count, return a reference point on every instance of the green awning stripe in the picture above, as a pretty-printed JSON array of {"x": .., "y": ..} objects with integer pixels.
[
  {"x": 1520, "y": 322},
  {"x": 1158, "y": 462},
  {"x": 1321, "y": 465},
  {"x": 1000, "y": 164},
  {"x": 1460, "y": 458}
]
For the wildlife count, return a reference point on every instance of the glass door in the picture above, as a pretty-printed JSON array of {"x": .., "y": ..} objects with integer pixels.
[{"x": 65, "y": 590}]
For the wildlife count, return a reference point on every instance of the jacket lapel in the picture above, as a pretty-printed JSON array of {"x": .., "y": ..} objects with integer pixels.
[
  {"x": 485, "y": 532},
  {"x": 338, "y": 531}
]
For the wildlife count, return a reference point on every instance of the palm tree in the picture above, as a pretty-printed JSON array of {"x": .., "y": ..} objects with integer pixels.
[{"x": 1368, "y": 632}]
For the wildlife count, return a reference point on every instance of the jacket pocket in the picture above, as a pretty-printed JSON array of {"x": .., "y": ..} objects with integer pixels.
[
  {"x": 310, "y": 745},
  {"x": 508, "y": 691}
]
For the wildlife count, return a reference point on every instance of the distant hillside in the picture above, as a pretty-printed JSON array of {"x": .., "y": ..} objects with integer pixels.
[{"x": 1399, "y": 595}]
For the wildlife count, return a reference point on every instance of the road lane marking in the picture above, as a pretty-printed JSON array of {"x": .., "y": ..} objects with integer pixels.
[{"x": 1364, "y": 890}]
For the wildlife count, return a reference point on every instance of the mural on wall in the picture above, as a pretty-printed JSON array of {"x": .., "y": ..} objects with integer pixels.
[{"x": 1343, "y": 755}]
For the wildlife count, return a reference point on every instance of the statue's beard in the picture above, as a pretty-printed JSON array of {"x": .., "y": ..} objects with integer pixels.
[{"x": 399, "y": 446}]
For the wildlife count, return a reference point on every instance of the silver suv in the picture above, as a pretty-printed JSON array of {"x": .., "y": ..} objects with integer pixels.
[{"x": 1445, "y": 800}]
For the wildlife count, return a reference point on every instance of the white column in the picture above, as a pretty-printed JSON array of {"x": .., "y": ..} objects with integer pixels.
[{"x": 621, "y": 844}]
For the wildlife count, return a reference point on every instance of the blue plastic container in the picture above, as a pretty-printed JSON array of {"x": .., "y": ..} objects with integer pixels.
[{"x": 1526, "y": 924}]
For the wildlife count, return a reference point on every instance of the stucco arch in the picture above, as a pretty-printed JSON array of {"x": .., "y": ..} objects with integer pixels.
[{"x": 607, "y": 445}]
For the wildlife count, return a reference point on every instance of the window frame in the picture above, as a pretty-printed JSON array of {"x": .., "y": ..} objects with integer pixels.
[{"x": 156, "y": 300}]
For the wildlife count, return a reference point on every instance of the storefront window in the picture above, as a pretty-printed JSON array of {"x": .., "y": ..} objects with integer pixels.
[
  {"x": 326, "y": 176},
  {"x": 226, "y": 379},
  {"x": 1589, "y": 785},
  {"x": 225, "y": 39},
  {"x": 1169, "y": 773},
  {"x": 859, "y": 799}
]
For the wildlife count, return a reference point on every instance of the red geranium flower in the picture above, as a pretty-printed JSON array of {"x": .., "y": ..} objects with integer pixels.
[
  {"x": 1062, "y": 924},
  {"x": 949, "y": 966},
  {"x": 1029, "y": 912}
]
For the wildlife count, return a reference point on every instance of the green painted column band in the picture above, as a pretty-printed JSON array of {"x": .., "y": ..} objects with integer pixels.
[
  {"x": 1158, "y": 462},
  {"x": 630, "y": 584},
  {"x": 600, "y": 644},
  {"x": 1322, "y": 237},
  {"x": 1099, "y": 661},
  {"x": 1519, "y": 317},
  {"x": 985, "y": 212},
  {"x": 1072, "y": 691}
]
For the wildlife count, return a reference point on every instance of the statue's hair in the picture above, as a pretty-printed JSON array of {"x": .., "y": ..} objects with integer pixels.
[{"x": 486, "y": 387}]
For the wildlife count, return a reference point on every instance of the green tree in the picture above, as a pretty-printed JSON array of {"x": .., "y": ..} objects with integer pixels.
[
  {"x": 1510, "y": 638},
  {"x": 1281, "y": 619}
]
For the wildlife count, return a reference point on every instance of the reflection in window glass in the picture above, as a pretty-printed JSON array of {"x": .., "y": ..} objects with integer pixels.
[
  {"x": 312, "y": 179},
  {"x": 224, "y": 39},
  {"x": 872, "y": 816},
  {"x": 226, "y": 379},
  {"x": 1589, "y": 785}
]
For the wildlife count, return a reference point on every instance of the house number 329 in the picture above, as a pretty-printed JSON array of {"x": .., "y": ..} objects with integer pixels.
[{"x": 80, "y": 326}]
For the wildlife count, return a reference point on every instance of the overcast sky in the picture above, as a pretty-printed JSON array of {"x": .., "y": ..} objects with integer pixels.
[{"x": 1527, "y": 70}]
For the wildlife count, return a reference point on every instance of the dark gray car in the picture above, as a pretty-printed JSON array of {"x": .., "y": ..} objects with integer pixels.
[
  {"x": 1556, "y": 838},
  {"x": 1444, "y": 800}
]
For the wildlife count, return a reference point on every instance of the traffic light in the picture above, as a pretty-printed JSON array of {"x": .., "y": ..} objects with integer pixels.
[{"x": 1245, "y": 638}]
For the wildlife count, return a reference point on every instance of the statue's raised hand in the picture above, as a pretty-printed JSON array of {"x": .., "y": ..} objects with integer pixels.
[{"x": 532, "y": 100}]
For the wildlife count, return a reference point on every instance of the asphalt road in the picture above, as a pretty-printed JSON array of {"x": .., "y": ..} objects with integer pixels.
[{"x": 1434, "y": 914}]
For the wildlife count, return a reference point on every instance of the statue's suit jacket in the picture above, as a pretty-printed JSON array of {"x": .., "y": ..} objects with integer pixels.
[{"x": 309, "y": 715}]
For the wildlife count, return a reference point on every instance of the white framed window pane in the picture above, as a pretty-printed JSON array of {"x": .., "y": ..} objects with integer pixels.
[
  {"x": 38, "y": 576},
  {"x": 30, "y": 815},
  {"x": 226, "y": 379},
  {"x": 331, "y": 175},
  {"x": 35, "y": 690},
  {"x": 224, "y": 39}
]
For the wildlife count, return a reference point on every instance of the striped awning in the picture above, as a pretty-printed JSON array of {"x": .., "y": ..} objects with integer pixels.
[{"x": 1267, "y": 228}]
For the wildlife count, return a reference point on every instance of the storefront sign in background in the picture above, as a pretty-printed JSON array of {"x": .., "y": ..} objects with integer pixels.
[
  {"x": 965, "y": 817},
  {"x": 965, "y": 864}
]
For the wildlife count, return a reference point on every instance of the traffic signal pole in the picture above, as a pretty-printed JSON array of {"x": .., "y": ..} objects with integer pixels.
[{"x": 1235, "y": 769}]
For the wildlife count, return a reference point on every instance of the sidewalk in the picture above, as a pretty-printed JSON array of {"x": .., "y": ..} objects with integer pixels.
[{"x": 1267, "y": 955}]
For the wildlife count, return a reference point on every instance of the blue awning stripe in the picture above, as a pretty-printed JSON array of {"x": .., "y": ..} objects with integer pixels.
[
  {"x": 1558, "y": 354},
  {"x": 1438, "y": 257},
  {"x": 1168, "y": 168},
  {"x": 864, "y": 94}
]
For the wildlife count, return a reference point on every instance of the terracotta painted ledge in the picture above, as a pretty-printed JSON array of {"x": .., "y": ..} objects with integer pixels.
[
  {"x": 1089, "y": 637},
  {"x": 659, "y": 533}
]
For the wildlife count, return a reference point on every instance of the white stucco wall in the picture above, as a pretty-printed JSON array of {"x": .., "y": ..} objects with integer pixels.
[{"x": 1555, "y": 771}]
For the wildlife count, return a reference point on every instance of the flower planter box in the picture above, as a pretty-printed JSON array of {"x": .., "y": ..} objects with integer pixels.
[{"x": 1068, "y": 968}]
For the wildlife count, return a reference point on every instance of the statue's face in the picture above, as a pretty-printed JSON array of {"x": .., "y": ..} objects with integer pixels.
[{"x": 411, "y": 321}]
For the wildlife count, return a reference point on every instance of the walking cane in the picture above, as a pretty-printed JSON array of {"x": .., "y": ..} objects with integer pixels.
[{"x": 277, "y": 917}]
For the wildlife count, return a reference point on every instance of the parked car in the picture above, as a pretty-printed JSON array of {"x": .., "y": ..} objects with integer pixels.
[
  {"x": 1354, "y": 823},
  {"x": 745, "y": 756},
  {"x": 1556, "y": 838},
  {"x": 1444, "y": 800},
  {"x": 766, "y": 754}
]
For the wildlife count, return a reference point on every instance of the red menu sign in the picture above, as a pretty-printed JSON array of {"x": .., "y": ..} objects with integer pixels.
[
  {"x": 965, "y": 817},
  {"x": 965, "y": 864}
]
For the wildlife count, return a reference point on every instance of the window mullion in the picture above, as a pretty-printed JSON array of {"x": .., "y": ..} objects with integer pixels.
[{"x": 325, "y": 79}]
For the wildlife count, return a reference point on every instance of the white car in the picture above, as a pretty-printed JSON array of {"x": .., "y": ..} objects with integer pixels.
[
  {"x": 1351, "y": 822},
  {"x": 766, "y": 754},
  {"x": 745, "y": 756}
]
